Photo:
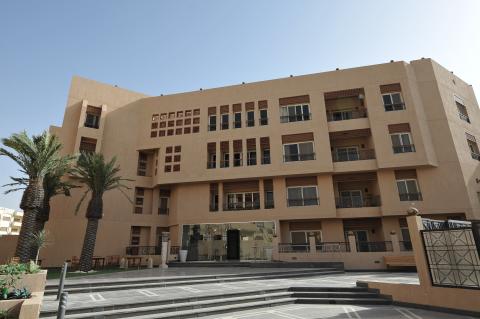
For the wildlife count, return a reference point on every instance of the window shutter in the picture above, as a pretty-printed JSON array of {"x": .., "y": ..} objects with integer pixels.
[
  {"x": 389, "y": 88},
  {"x": 399, "y": 128},
  {"x": 294, "y": 100},
  {"x": 294, "y": 138}
]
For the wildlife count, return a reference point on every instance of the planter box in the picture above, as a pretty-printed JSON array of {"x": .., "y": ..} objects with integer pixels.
[{"x": 27, "y": 308}]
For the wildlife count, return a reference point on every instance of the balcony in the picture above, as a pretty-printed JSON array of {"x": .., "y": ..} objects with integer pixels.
[
  {"x": 357, "y": 202},
  {"x": 333, "y": 247},
  {"x": 293, "y": 202},
  {"x": 404, "y": 149},
  {"x": 346, "y": 114},
  {"x": 410, "y": 197},
  {"x": 299, "y": 157},
  {"x": 241, "y": 206},
  {"x": 357, "y": 155}
]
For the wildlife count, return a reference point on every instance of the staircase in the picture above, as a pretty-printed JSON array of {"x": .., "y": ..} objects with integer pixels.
[{"x": 339, "y": 296}]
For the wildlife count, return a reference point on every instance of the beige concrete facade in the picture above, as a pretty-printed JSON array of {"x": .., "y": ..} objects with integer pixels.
[
  {"x": 366, "y": 163},
  {"x": 10, "y": 221}
]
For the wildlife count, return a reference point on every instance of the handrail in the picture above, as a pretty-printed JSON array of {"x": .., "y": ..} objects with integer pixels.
[
  {"x": 346, "y": 114},
  {"x": 366, "y": 201},
  {"x": 359, "y": 155}
]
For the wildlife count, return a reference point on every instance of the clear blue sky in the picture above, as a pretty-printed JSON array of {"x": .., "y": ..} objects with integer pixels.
[{"x": 172, "y": 46}]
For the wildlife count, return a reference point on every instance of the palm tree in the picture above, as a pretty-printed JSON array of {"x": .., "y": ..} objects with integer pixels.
[
  {"x": 54, "y": 184},
  {"x": 36, "y": 156},
  {"x": 99, "y": 177},
  {"x": 39, "y": 241}
]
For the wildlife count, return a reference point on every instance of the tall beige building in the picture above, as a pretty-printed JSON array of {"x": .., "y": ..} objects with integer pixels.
[
  {"x": 229, "y": 171},
  {"x": 10, "y": 221}
]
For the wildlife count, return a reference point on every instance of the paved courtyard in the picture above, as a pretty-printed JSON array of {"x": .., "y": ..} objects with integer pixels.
[{"x": 295, "y": 311}]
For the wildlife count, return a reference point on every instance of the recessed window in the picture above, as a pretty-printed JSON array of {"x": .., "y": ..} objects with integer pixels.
[
  {"x": 402, "y": 142},
  {"x": 241, "y": 201},
  {"x": 250, "y": 118},
  {"x": 295, "y": 113},
  {"x": 225, "y": 160},
  {"x": 266, "y": 156},
  {"x": 212, "y": 123},
  {"x": 88, "y": 145},
  {"x": 408, "y": 190},
  {"x": 224, "y": 121},
  {"x": 302, "y": 196},
  {"x": 473, "y": 146},
  {"x": 251, "y": 158},
  {"x": 393, "y": 101},
  {"x": 237, "y": 120},
  {"x": 263, "y": 117},
  {"x": 462, "y": 109},
  {"x": 298, "y": 152},
  {"x": 163, "y": 207},
  {"x": 237, "y": 159}
]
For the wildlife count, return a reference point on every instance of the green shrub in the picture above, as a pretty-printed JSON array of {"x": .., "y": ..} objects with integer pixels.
[{"x": 10, "y": 274}]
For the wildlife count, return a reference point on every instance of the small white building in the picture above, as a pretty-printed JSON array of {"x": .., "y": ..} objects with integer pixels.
[{"x": 10, "y": 221}]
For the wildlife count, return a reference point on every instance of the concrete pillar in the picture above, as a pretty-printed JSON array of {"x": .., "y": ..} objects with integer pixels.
[
  {"x": 352, "y": 242},
  {"x": 220, "y": 197},
  {"x": 313, "y": 245},
  {"x": 415, "y": 225},
  {"x": 165, "y": 251},
  {"x": 261, "y": 191},
  {"x": 395, "y": 242},
  {"x": 275, "y": 242}
]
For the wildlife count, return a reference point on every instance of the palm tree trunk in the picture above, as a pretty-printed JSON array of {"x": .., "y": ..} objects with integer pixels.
[
  {"x": 31, "y": 204},
  {"x": 42, "y": 218},
  {"x": 89, "y": 245}
]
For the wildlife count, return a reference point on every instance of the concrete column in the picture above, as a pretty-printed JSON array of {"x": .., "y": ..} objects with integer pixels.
[
  {"x": 352, "y": 242},
  {"x": 261, "y": 190},
  {"x": 313, "y": 245},
  {"x": 244, "y": 152},
  {"x": 395, "y": 242},
  {"x": 275, "y": 253},
  {"x": 165, "y": 251},
  {"x": 280, "y": 193},
  {"x": 220, "y": 196},
  {"x": 415, "y": 225}
]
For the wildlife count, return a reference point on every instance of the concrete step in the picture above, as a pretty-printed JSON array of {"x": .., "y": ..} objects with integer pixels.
[
  {"x": 345, "y": 301},
  {"x": 107, "y": 282},
  {"x": 334, "y": 295},
  {"x": 259, "y": 264},
  {"x": 167, "y": 307},
  {"x": 97, "y": 287},
  {"x": 328, "y": 289}
]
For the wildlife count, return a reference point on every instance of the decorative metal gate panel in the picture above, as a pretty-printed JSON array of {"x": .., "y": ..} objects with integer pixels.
[{"x": 453, "y": 257}]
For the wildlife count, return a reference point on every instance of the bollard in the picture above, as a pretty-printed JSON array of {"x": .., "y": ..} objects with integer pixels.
[
  {"x": 62, "y": 305},
  {"x": 63, "y": 275}
]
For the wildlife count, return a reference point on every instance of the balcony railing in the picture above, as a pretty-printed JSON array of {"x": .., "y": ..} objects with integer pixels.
[
  {"x": 163, "y": 211},
  {"x": 404, "y": 149},
  {"x": 237, "y": 162},
  {"x": 299, "y": 157},
  {"x": 394, "y": 107},
  {"x": 291, "y": 202},
  {"x": 354, "y": 202},
  {"x": 475, "y": 156},
  {"x": 347, "y": 114},
  {"x": 266, "y": 160},
  {"x": 293, "y": 248},
  {"x": 374, "y": 246},
  {"x": 295, "y": 118},
  {"x": 241, "y": 206},
  {"x": 212, "y": 127},
  {"x": 359, "y": 155},
  {"x": 333, "y": 247},
  {"x": 143, "y": 250},
  {"x": 251, "y": 161},
  {"x": 213, "y": 207},
  {"x": 405, "y": 245},
  {"x": 263, "y": 121},
  {"x": 174, "y": 250},
  {"x": 224, "y": 164},
  {"x": 224, "y": 126},
  {"x": 237, "y": 124},
  {"x": 250, "y": 123},
  {"x": 411, "y": 197}
]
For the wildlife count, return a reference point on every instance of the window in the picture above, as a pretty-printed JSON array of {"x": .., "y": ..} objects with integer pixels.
[
  {"x": 393, "y": 101},
  {"x": 237, "y": 159},
  {"x": 295, "y": 113},
  {"x": 224, "y": 121},
  {"x": 342, "y": 115},
  {"x": 472, "y": 145},
  {"x": 462, "y": 110},
  {"x": 402, "y": 143},
  {"x": 250, "y": 118},
  {"x": 302, "y": 196},
  {"x": 92, "y": 120},
  {"x": 301, "y": 237},
  {"x": 269, "y": 203},
  {"x": 142, "y": 164},
  {"x": 135, "y": 235},
  {"x": 252, "y": 158},
  {"x": 88, "y": 145},
  {"x": 239, "y": 201},
  {"x": 212, "y": 161},
  {"x": 266, "y": 156},
  {"x": 163, "y": 206},
  {"x": 298, "y": 152},
  {"x": 225, "y": 160},
  {"x": 237, "y": 120},
  {"x": 263, "y": 117},
  {"x": 408, "y": 190},
  {"x": 212, "y": 123},
  {"x": 351, "y": 198},
  {"x": 344, "y": 154}
]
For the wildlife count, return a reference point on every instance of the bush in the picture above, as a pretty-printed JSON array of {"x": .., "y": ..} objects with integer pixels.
[{"x": 9, "y": 275}]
